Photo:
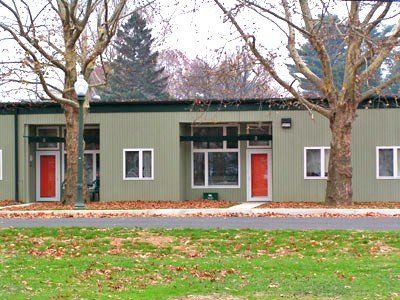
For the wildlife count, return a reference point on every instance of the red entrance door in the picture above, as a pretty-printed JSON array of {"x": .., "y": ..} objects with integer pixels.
[
  {"x": 47, "y": 176},
  {"x": 259, "y": 175}
]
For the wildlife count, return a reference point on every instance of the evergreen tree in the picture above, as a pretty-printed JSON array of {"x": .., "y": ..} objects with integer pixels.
[
  {"x": 134, "y": 74},
  {"x": 394, "y": 69},
  {"x": 336, "y": 47}
]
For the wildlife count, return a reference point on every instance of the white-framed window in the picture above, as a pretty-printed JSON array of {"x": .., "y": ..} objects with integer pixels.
[
  {"x": 215, "y": 164},
  {"x": 1, "y": 164},
  {"x": 92, "y": 165},
  {"x": 47, "y": 131},
  {"x": 316, "y": 161},
  {"x": 91, "y": 154},
  {"x": 387, "y": 162},
  {"x": 138, "y": 164},
  {"x": 259, "y": 128}
]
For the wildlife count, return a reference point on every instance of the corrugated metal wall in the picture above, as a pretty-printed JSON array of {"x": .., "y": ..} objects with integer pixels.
[
  {"x": 7, "y": 146},
  {"x": 288, "y": 183},
  {"x": 288, "y": 151},
  {"x": 172, "y": 181},
  {"x": 374, "y": 128},
  {"x": 159, "y": 131}
]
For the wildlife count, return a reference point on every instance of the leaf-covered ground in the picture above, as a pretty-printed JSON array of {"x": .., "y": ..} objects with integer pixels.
[
  {"x": 323, "y": 205},
  {"x": 7, "y": 203},
  {"x": 199, "y": 203},
  {"x": 76, "y": 263},
  {"x": 130, "y": 205}
]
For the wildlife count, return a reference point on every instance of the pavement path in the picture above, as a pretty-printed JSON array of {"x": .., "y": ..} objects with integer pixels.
[{"x": 213, "y": 222}]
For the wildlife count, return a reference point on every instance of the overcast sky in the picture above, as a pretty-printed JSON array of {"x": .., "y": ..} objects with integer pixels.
[
  {"x": 196, "y": 28},
  {"x": 199, "y": 29}
]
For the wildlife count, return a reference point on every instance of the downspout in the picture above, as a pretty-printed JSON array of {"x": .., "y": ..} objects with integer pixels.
[{"x": 16, "y": 155}]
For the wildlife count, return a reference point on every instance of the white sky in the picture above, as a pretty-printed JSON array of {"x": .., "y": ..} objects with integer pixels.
[
  {"x": 197, "y": 29},
  {"x": 199, "y": 32}
]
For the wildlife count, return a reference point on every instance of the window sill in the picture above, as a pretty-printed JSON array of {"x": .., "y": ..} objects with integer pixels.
[
  {"x": 138, "y": 179},
  {"x": 216, "y": 187}
]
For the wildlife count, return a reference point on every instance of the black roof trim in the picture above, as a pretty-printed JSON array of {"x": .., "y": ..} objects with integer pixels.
[{"x": 185, "y": 105}]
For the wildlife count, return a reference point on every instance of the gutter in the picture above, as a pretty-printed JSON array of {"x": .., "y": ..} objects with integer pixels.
[{"x": 16, "y": 155}]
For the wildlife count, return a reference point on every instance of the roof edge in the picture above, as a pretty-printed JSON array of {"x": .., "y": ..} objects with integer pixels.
[{"x": 189, "y": 105}]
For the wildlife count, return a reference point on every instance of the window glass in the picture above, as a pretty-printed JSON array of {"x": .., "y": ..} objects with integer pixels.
[
  {"x": 65, "y": 165},
  {"x": 386, "y": 162},
  {"x": 92, "y": 138},
  {"x": 256, "y": 129},
  {"x": 398, "y": 161},
  {"x": 132, "y": 164},
  {"x": 97, "y": 165},
  {"x": 208, "y": 131},
  {"x": 147, "y": 164},
  {"x": 138, "y": 164},
  {"x": 47, "y": 132},
  {"x": 232, "y": 131},
  {"x": 89, "y": 165},
  {"x": 89, "y": 168},
  {"x": 327, "y": 152},
  {"x": 223, "y": 168},
  {"x": 198, "y": 169},
  {"x": 64, "y": 132},
  {"x": 313, "y": 162},
  {"x": 215, "y": 168}
]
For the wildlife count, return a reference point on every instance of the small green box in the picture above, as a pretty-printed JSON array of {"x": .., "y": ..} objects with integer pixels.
[{"x": 210, "y": 196}]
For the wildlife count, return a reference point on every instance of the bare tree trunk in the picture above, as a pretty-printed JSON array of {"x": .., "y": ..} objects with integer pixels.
[
  {"x": 71, "y": 172},
  {"x": 339, "y": 186}
]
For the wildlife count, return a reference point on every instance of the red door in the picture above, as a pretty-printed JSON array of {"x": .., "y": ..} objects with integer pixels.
[
  {"x": 259, "y": 175},
  {"x": 48, "y": 176}
]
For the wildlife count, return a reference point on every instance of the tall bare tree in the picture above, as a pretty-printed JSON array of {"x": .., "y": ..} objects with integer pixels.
[
  {"x": 54, "y": 41},
  {"x": 175, "y": 64},
  {"x": 235, "y": 75},
  {"x": 365, "y": 54}
]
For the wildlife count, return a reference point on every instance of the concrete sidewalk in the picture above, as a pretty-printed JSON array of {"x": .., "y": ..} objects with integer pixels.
[{"x": 242, "y": 210}]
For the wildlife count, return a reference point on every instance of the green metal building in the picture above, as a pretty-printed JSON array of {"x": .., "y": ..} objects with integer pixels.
[{"x": 253, "y": 150}]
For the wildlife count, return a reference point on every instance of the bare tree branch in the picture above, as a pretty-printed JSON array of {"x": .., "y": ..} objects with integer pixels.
[
  {"x": 249, "y": 40},
  {"x": 319, "y": 47},
  {"x": 391, "y": 42},
  {"x": 291, "y": 46},
  {"x": 279, "y": 17},
  {"x": 379, "y": 19},
  {"x": 378, "y": 89}
]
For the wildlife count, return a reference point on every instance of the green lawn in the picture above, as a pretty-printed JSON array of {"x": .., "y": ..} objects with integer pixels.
[{"x": 172, "y": 264}]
